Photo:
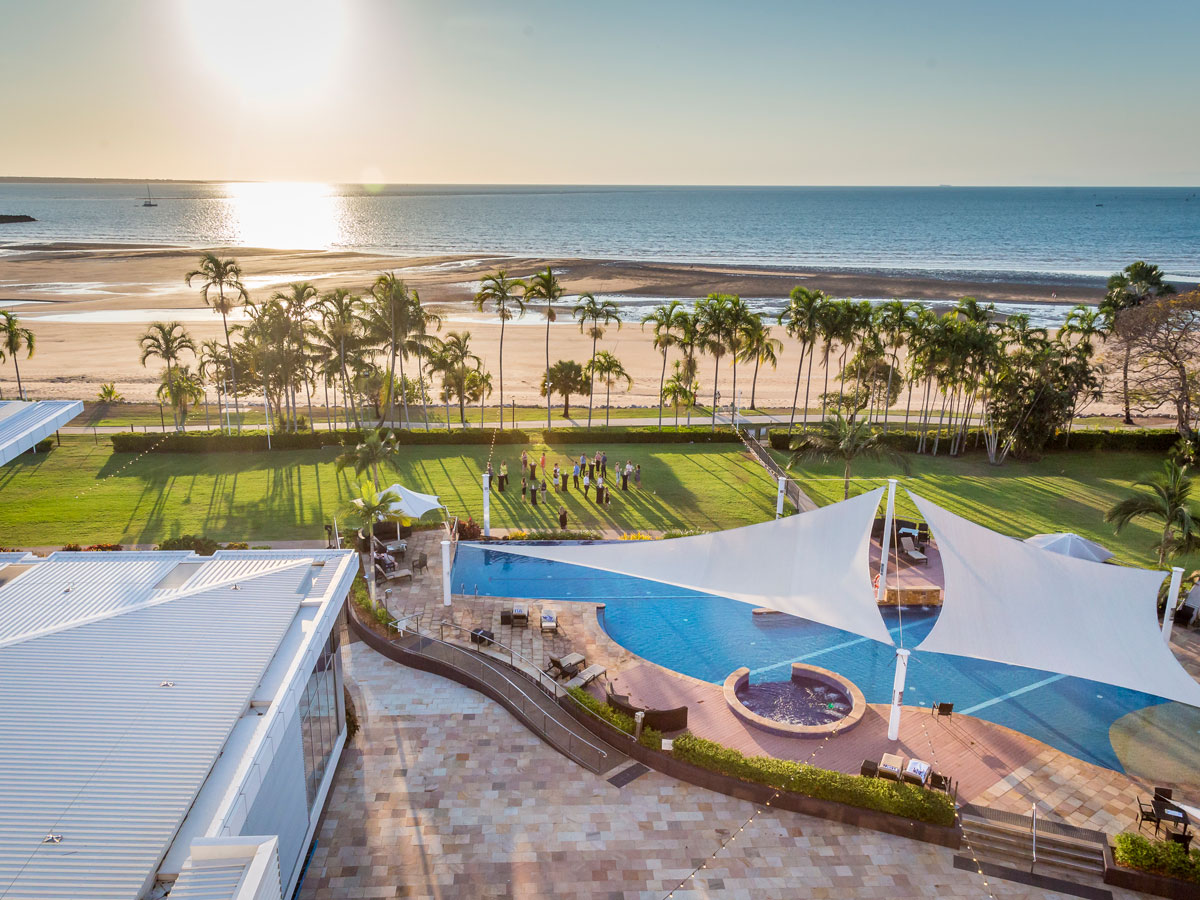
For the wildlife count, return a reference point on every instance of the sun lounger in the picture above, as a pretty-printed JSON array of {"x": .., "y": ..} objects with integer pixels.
[
  {"x": 890, "y": 766},
  {"x": 909, "y": 551},
  {"x": 520, "y": 616},
  {"x": 549, "y": 621},
  {"x": 392, "y": 574},
  {"x": 587, "y": 676},
  {"x": 565, "y": 665}
]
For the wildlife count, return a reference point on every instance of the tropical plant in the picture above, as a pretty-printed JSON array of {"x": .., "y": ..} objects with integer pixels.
[
  {"x": 599, "y": 313},
  {"x": 669, "y": 321},
  {"x": 544, "y": 286},
  {"x": 374, "y": 449},
  {"x": 14, "y": 337},
  {"x": 758, "y": 346},
  {"x": 390, "y": 317},
  {"x": 1128, "y": 289},
  {"x": 801, "y": 319},
  {"x": 845, "y": 440},
  {"x": 291, "y": 352},
  {"x": 610, "y": 370},
  {"x": 223, "y": 275},
  {"x": 339, "y": 339},
  {"x": 109, "y": 393},
  {"x": 168, "y": 341},
  {"x": 180, "y": 388},
  {"x": 678, "y": 389},
  {"x": 370, "y": 507},
  {"x": 567, "y": 377},
  {"x": 502, "y": 293},
  {"x": 1168, "y": 503},
  {"x": 455, "y": 362}
]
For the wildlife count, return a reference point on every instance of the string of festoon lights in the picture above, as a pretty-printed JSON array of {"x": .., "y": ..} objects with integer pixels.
[
  {"x": 957, "y": 813},
  {"x": 757, "y": 812},
  {"x": 118, "y": 471}
]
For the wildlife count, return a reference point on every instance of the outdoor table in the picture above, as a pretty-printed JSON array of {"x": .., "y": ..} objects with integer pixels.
[
  {"x": 1193, "y": 813},
  {"x": 890, "y": 766},
  {"x": 400, "y": 547},
  {"x": 1170, "y": 813}
]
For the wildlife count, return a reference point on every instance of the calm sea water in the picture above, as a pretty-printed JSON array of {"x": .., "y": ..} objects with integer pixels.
[{"x": 1003, "y": 233}]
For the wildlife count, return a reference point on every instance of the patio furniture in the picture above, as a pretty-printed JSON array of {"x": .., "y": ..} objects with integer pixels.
[
  {"x": 565, "y": 665},
  {"x": 1146, "y": 813},
  {"x": 397, "y": 548},
  {"x": 385, "y": 574},
  {"x": 506, "y": 615},
  {"x": 869, "y": 768},
  {"x": 1169, "y": 814},
  {"x": 420, "y": 562},
  {"x": 1163, "y": 793},
  {"x": 942, "y": 709},
  {"x": 890, "y": 766},
  {"x": 939, "y": 782},
  {"x": 917, "y": 772},
  {"x": 482, "y": 637},
  {"x": 549, "y": 621},
  {"x": 922, "y": 536},
  {"x": 909, "y": 551},
  {"x": 1181, "y": 838},
  {"x": 587, "y": 676},
  {"x": 520, "y": 616}
]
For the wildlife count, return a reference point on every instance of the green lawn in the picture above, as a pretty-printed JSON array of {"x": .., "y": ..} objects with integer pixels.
[
  {"x": 1062, "y": 492},
  {"x": 82, "y": 492}
]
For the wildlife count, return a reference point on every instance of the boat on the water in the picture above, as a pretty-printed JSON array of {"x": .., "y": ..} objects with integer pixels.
[{"x": 149, "y": 201}]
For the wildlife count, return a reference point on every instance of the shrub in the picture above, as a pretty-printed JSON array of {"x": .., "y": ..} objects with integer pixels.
[
  {"x": 1166, "y": 858},
  {"x": 104, "y": 547},
  {"x": 469, "y": 530},
  {"x": 682, "y": 532},
  {"x": 1132, "y": 440},
  {"x": 237, "y": 545},
  {"x": 351, "y": 714},
  {"x": 651, "y": 737},
  {"x": 635, "y": 536},
  {"x": 45, "y": 445},
  {"x": 698, "y": 434},
  {"x": 72, "y": 548},
  {"x": 558, "y": 534},
  {"x": 905, "y": 800},
  {"x": 200, "y": 545}
]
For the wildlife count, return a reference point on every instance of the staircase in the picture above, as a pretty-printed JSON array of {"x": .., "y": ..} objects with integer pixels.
[{"x": 1062, "y": 850}]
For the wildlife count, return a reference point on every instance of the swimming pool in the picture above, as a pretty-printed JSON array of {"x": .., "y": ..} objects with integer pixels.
[{"x": 708, "y": 637}]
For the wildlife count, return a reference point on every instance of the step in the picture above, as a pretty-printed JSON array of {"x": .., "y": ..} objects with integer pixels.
[
  {"x": 1044, "y": 834},
  {"x": 991, "y": 847},
  {"x": 1046, "y": 843},
  {"x": 1044, "y": 865}
]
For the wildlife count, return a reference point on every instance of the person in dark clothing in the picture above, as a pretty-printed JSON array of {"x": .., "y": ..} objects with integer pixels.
[
  {"x": 532, "y": 472},
  {"x": 575, "y": 476},
  {"x": 543, "y": 491},
  {"x": 637, "y": 476},
  {"x": 562, "y": 518},
  {"x": 604, "y": 464},
  {"x": 503, "y": 476},
  {"x": 524, "y": 485},
  {"x": 591, "y": 471},
  {"x": 533, "y": 492},
  {"x": 625, "y": 473},
  {"x": 587, "y": 483}
]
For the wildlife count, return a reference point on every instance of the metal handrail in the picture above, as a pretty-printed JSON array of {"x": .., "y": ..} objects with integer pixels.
[{"x": 603, "y": 754}]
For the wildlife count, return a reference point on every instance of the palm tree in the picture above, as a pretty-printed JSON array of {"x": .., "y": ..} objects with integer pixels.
[
  {"x": 1168, "y": 503},
  {"x": 211, "y": 367},
  {"x": 222, "y": 274},
  {"x": 294, "y": 304},
  {"x": 389, "y": 321},
  {"x": 1131, "y": 287},
  {"x": 679, "y": 390},
  {"x": 668, "y": 320},
  {"x": 544, "y": 286},
  {"x": 455, "y": 362},
  {"x": 689, "y": 343},
  {"x": 374, "y": 449},
  {"x": 180, "y": 388},
  {"x": 892, "y": 321},
  {"x": 109, "y": 393},
  {"x": 479, "y": 387},
  {"x": 758, "y": 345},
  {"x": 802, "y": 320},
  {"x": 712, "y": 324},
  {"x": 599, "y": 313},
  {"x": 341, "y": 333},
  {"x": 501, "y": 292},
  {"x": 423, "y": 343},
  {"x": 567, "y": 377},
  {"x": 167, "y": 341},
  {"x": 845, "y": 440},
  {"x": 610, "y": 370},
  {"x": 369, "y": 507},
  {"x": 14, "y": 338}
]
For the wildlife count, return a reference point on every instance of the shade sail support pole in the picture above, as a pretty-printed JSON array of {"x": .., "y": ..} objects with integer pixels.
[
  {"x": 779, "y": 497},
  {"x": 445, "y": 573},
  {"x": 487, "y": 505},
  {"x": 1172, "y": 600},
  {"x": 898, "y": 693},
  {"x": 886, "y": 542}
]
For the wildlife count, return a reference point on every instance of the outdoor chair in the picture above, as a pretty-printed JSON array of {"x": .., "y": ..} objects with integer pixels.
[
  {"x": 909, "y": 551},
  {"x": 520, "y": 616},
  {"x": 421, "y": 562},
  {"x": 483, "y": 637},
  {"x": 869, "y": 768},
  {"x": 939, "y": 782},
  {"x": 1181, "y": 838},
  {"x": 566, "y": 665},
  {"x": 587, "y": 676},
  {"x": 890, "y": 766},
  {"x": 506, "y": 615},
  {"x": 1163, "y": 793},
  {"x": 942, "y": 709},
  {"x": 922, "y": 536},
  {"x": 549, "y": 621},
  {"x": 916, "y": 772},
  {"x": 1146, "y": 813}
]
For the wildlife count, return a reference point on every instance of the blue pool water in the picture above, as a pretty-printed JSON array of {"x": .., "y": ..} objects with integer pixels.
[{"x": 708, "y": 637}]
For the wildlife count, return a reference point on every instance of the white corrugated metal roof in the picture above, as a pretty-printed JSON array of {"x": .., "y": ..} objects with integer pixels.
[
  {"x": 23, "y": 424},
  {"x": 95, "y": 747}
]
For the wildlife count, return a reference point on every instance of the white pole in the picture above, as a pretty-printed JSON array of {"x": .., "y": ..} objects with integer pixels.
[
  {"x": 779, "y": 497},
  {"x": 487, "y": 505},
  {"x": 897, "y": 693},
  {"x": 337, "y": 538},
  {"x": 445, "y": 573},
  {"x": 1172, "y": 601},
  {"x": 886, "y": 542},
  {"x": 267, "y": 408}
]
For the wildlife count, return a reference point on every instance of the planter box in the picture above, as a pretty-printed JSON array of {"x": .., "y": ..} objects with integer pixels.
[{"x": 1147, "y": 882}]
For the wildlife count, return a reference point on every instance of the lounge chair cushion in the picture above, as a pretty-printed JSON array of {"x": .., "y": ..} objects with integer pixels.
[{"x": 587, "y": 676}]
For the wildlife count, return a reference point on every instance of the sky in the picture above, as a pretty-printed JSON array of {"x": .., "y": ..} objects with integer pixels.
[{"x": 1025, "y": 92}]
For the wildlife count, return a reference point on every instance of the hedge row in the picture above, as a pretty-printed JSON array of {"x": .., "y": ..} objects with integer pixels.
[
  {"x": 1159, "y": 858},
  {"x": 650, "y": 738},
  {"x": 1148, "y": 440},
  {"x": 256, "y": 441},
  {"x": 879, "y": 794}
]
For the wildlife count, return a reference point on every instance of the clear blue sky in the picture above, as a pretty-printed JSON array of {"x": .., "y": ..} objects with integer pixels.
[{"x": 559, "y": 91}]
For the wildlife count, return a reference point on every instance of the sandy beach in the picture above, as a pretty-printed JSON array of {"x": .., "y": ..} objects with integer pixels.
[{"x": 87, "y": 305}]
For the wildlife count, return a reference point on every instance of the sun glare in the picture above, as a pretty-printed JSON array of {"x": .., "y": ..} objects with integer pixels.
[
  {"x": 285, "y": 215},
  {"x": 268, "y": 50}
]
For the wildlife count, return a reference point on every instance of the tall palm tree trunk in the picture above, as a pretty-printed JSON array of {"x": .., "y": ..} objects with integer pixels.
[
  {"x": 549, "y": 312},
  {"x": 754, "y": 383},
  {"x": 716, "y": 376},
  {"x": 796, "y": 393},
  {"x": 825, "y": 389},
  {"x": 812, "y": 349},
  {"x": 1125, "y": 386},
  {"x": 592, "y": 385},
  {"x": 502, "y": 315},
  {"x": 662, "y": 378},
  {"x": 424, "y": 393},
  {"x": 607, "y": 401}
]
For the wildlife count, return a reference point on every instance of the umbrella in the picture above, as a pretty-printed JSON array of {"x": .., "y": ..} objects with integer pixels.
[
  {"x": 411, "y": 504},
  {"x": 1069, "y": 544}
]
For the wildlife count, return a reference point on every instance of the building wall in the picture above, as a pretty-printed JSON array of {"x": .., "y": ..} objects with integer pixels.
[{"x": 281, "y": 807}]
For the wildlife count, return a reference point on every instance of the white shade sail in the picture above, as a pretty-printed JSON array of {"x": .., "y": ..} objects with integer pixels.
[
  {"x": 1070, "y": 544},
  {"x": 411, "y": 505},
  {"x": 24, "y": 423},
  {"x": 814, "y": 565},
  {"x": 1010, "y": 602}
]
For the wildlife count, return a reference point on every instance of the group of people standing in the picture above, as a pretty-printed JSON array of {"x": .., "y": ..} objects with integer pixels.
[{"x": 583, "y": 474}]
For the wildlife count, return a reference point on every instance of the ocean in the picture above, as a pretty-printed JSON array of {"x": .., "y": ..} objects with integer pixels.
[{"x": 1055, "y": 235}]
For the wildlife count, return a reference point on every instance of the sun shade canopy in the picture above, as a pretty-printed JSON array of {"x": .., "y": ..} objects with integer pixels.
[
  {"x": 814, "y": 565},
  {"x": 411, "y": 504},
  {"x": 1010, "y": 602},
  {"x": 23, "y": 423},
  {"x": 1070, "y": 544}
]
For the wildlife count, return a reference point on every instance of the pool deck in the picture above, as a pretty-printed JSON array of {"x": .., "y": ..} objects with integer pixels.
[{"x": 993, "y": 765}]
